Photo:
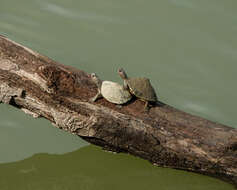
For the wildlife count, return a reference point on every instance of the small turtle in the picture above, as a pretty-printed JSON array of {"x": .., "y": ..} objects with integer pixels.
[
  {"x": 140, "y": 87},
  {"x": 111, "y": 91}
]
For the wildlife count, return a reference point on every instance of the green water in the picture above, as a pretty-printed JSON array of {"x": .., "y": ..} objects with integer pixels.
[
  {"x": 91, "y": 168},
  {"x": 188, "y": 48}
]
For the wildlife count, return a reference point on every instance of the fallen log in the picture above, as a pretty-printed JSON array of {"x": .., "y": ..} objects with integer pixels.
[{"x": 165, "y": 136}]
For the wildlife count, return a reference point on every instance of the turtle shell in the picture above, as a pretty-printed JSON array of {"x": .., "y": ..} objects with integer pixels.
[
  {"x": 141, "y": 88},
  {"x": 114, "y": 92}
]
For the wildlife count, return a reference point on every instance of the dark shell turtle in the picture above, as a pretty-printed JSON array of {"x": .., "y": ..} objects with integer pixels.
[{"x": 139, "y": 87}]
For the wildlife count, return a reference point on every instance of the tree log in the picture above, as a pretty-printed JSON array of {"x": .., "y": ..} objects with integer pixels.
[{"x": 165, "y": 136}]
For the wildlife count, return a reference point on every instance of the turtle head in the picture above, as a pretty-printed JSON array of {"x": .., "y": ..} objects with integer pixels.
[
  {"x": 122, "y": 74},
  {"x": 96, "y": 79}
]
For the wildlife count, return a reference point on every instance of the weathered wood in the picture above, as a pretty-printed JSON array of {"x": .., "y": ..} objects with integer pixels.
[{"x": 165, "y": 136}]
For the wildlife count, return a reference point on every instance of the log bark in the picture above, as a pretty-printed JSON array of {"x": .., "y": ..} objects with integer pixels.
[{"x": 165, "y": 136}]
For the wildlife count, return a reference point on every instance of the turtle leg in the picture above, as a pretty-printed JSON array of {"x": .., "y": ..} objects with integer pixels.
[
  {"x": 97, "y": 96},
  {"x": 119, "y": 106},
  {"x": 146, "y": 107}
]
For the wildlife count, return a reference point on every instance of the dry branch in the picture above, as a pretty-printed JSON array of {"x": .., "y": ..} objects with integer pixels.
[{"x": 165, "y": 136}]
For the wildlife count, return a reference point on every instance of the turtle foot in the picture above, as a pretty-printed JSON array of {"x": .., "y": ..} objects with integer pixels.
[
  {"x": 146, "y": 107},
  {"x": 119, "y": 106},
  {"x": 92, "y": 99}
]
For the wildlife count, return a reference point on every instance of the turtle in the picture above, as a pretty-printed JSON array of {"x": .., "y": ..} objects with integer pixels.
[
  {"x": 139, "y": 87},
  {"x": 111, "y": 91}
]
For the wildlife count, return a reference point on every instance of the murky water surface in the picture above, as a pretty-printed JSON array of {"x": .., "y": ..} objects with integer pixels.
[{"x": 188, "y": 49}]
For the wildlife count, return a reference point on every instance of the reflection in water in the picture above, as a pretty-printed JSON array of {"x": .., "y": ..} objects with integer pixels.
[
  {"x": 22, "y": 136},
  {"x": 90, "y": 168}
]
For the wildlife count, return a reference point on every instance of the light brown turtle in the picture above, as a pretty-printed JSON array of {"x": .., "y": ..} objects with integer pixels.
[
  {"x": 139, "y": 87},
  {"x": 111, "y": 91}
]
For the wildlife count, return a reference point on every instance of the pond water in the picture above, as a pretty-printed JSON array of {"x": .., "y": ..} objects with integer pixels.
[{"x": 188, "y": 49}]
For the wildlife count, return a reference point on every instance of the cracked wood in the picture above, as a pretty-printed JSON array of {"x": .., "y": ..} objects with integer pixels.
[{"x": 165, "y": 136}]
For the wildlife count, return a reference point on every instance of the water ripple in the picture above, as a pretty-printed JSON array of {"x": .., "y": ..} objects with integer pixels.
[
  {"x": 183, "y": 3},
  {"x": 10, "y": 124},
  {"x": 91, "y": 16}
]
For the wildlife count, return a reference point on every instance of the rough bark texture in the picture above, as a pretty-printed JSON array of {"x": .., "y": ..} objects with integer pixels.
[{"x": 165, "y": 136}]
